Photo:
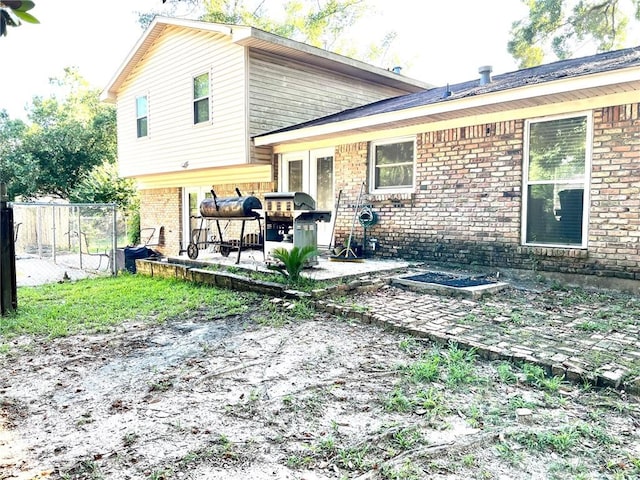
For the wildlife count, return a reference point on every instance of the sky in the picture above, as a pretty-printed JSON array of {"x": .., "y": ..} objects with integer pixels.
[{"x": 438, "y": 41}]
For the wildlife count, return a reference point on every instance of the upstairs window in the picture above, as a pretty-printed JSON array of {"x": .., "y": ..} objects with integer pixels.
[
  {"x": 557, "y": 162},
  {"x": 142, "y": 116},
  {"x": 392, "y": 165},
  {"x": 201, "y": 98}
]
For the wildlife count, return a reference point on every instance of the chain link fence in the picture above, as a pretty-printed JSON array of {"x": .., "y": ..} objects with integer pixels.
[{"x": 79, "y": 236}]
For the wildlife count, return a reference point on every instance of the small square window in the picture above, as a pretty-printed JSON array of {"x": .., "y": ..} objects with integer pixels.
[
  {"x": 201, "y": 98},
  {"x": 142, "y": 118},
  {"x": 392, "y": 165}
]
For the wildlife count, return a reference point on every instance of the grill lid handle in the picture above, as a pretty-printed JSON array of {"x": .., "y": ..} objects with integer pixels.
[{"x": 215, "y": 199}]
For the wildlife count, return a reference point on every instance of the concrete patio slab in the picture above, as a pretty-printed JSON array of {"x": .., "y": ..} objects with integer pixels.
[{"x": 326, "y": 269}]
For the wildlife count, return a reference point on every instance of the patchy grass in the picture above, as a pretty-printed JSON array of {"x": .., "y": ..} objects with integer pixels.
[
  {"x": 279, "y": 313},
  {"x": 506, "y": 374},
  {"x": 96, "y": 305},
  {"x": 536, "y": 375},
  {"x": 443, "y": 414},
  {"x": 397, "y": 401},
  {"x": 454, "y": 365}
]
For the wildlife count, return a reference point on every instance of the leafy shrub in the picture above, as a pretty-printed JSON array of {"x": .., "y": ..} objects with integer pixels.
[{"x": 293, "y": 260}]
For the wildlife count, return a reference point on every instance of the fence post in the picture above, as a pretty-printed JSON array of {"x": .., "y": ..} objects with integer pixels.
[
  {"x": 114, "y": 240},
  {"x": 80, "y": 236},
  {"x": 8, "y": 289},
  {"x": 53, "y": 233}
]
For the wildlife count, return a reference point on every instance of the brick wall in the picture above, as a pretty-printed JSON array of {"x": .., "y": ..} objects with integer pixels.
[
  {"x": 350, "y": 170},
  {"x": 466, "y": 207},
  {"x": 162, "y": 207},
  {"x": 614, "y": 222}
]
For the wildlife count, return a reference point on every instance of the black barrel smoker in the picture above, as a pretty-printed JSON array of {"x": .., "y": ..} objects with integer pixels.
[{"x": 240, "y": 208}]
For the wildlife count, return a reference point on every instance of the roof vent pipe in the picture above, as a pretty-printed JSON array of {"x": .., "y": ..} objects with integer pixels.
[{"x": 485, "y": 74}]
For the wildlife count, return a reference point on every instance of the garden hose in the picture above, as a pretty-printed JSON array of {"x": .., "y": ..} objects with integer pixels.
[{"x": 367, "y": 217}]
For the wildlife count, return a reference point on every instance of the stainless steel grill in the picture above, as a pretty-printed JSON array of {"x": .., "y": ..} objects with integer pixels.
[{"x": 291, "y": 221}]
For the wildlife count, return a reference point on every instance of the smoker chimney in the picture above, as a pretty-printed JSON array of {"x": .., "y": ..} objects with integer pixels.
[{"x": 485, "y": 74}]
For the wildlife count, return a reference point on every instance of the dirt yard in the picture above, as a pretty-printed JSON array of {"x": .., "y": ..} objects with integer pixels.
[{"x": 318, "y": 398}]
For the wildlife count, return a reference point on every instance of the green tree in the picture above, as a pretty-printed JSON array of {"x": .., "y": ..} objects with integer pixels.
[
  {"x": 103, "y": 185},
  {"x": 561, "y": 26},
  {"x": 66, "y": 138},
  {"x": 12, "y": 11},
  {"x": 16, "y": 171}
]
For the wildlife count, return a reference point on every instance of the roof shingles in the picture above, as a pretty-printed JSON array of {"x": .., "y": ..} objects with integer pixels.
[{"x": 572, "y": 68}]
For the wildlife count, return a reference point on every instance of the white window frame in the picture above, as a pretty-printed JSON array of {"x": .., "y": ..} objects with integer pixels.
[
  {"x": 372, "y": 166},
  {"x": 309, "y": 160},
  {"x": 194, "y": 99},
  {"x": 586, "y": 182},
  {"x": 139, "y": 117}
]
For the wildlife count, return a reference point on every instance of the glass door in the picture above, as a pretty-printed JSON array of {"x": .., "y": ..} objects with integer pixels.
[
  {"x": 321, "y": 188},
  {"x": 193, "y": 196},
  {"x": 295, "y": 172},
  {"x": 312, "y": 172}
]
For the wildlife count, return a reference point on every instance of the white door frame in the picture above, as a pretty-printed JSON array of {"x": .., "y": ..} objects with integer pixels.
[
  {"x": 201, "y": 193},
  {"x": 309, "y": 160}
]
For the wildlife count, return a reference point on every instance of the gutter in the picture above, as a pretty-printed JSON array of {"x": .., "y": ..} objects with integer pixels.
[{"x": 452, "y": 105}]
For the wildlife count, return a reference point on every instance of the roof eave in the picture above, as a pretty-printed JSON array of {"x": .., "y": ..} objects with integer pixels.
[
  {"x": 547, "y": 90},
  {"x": 255, "y": 38},
  {"x": 261, "y": 40},
  {"x": 153, "y": 31}
]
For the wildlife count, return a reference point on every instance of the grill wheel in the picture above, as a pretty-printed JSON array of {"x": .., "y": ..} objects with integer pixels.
[{"x": 192, "y": 251}]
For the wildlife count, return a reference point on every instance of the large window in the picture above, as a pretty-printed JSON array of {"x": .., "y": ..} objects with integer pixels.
[
  {"x": 201, "y": 98},
  {"x": 557, "y": 162},
  {"x": 392, "y": 165},
  {"x": 142, "y": 116}
]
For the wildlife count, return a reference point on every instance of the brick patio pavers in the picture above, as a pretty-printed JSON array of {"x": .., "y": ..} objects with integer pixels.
[{"x": 514, "y": 326}]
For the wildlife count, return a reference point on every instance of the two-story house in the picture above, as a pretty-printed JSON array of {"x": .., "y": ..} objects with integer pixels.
[{"x": 191, "y": 95}]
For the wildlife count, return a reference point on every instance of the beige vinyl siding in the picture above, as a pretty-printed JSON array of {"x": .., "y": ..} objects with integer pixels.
[
  {"x": 166, "y": 74},
  {"x": 283, "y": 92},
  {"x": 261, "y": 154}
]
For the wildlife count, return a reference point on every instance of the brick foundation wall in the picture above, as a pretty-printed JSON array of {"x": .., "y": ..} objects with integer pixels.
[{"x": 466, "y": 206}]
